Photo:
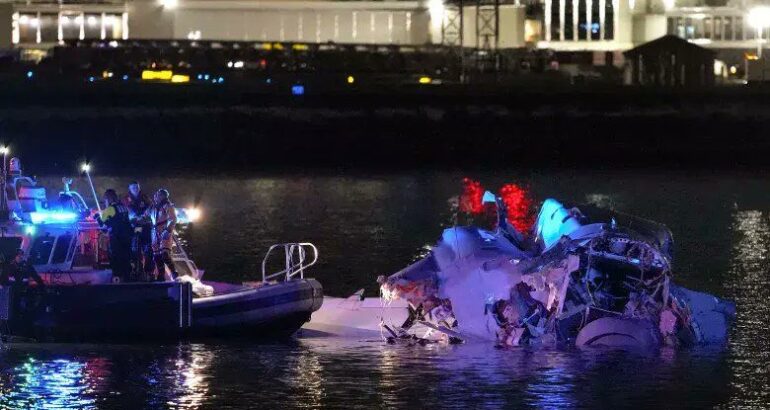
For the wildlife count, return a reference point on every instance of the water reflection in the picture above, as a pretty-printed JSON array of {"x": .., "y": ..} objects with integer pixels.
[
  {"x": 306, "y": 377},
  {"x": 750, "y": 288},
  {"x": 554, "y": 389},
  {"x": 181, "y": 380},
  {"x": 48, "y": 384}
]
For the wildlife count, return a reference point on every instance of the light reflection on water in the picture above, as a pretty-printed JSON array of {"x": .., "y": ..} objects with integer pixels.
[
  {"x": 750, "y": 288},
  {"x": 49, "y": 384},
  {"x": 376, "y": 225}
]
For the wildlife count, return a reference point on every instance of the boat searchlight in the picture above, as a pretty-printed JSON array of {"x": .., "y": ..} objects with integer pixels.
[{"x": 189, "y": 215}]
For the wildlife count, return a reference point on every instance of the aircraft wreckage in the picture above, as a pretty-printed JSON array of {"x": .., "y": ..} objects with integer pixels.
[{"x": 584, "y": 276}]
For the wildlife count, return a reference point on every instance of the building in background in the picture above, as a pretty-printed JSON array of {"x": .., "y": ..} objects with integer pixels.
[{"x": 603, "y": 27}]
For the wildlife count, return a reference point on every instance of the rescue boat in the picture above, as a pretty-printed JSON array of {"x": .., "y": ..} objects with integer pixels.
[{"x": 82, "y": 300}]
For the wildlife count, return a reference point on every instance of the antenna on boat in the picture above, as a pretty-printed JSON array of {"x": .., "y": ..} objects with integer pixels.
[
  {"x": 86, "y": 167},
  {"x": 4, "y": 198}
]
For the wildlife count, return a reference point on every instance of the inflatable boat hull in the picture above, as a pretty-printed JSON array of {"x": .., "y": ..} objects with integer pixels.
[{"x": 149, "y": 311}]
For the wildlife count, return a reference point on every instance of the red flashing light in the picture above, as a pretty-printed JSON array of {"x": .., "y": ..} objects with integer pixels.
[
  {"x": 519, "y": 204},
  {"x": 470, "y": 200},
  {"x": 515, "y": 197}
]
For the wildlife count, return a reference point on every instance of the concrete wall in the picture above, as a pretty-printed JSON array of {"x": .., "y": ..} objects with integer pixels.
[
  {"x": 512, "y": 25},
  {"x": 318, "y": 26},
  {"x": 385, "y": 22},
  {"x": 148, "y": 20},
  {"x": 6, "y": 20},
  {"x": 648, "y": 27}
]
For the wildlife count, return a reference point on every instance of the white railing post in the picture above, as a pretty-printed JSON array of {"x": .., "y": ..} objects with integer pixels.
[{"x": 292, "y": 267}]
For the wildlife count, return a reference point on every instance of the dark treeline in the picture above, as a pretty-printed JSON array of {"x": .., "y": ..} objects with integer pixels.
[{"x": 221, "y": 129}]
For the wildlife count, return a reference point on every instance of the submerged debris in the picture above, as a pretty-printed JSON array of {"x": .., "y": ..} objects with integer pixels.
[{"x": 586, "y": 277}]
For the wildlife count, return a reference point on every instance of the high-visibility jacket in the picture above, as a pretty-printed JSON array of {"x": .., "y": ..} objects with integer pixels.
[{"x": 163, "y": 218}]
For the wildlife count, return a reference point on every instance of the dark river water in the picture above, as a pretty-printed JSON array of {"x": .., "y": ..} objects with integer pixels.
[{"x": 365, "y": 226}]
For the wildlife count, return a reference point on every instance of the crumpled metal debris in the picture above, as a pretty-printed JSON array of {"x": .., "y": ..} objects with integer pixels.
[{"x": 594, "y": 278}]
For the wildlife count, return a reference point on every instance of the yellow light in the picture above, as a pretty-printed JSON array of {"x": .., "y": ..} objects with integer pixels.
[
  {"x": 733, "y": 69},
  {"x": 278, "y": 46},
  {"x": 751, "y": 56},
  {"x": 107, "y": 74},
  {"x": 351, "y": 79},
  {"x": 425, "y": 80},
  {"x": 267, "y": 46},
  {"x": 300, "y": 47},
  {"x": 180, "y": 78},
  {"x": 157, "y": 75}
]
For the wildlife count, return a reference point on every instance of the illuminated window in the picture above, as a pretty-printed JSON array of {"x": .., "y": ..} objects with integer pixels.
[
  {"x": 28, "y": 28},
  {"x": 92, "y": 26}
]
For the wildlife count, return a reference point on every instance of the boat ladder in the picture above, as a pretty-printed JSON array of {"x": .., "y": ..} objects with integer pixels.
[{"x": 295, "y": 258}]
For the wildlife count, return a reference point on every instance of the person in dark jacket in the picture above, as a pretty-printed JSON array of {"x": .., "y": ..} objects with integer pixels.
[
  {"x": 137, "y": 203},
  {"x": 115, "y": 218},
  {"x": 20, "y": 270}
]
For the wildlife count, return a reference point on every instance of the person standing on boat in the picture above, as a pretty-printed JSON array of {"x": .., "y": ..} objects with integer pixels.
[
  {"x": 19, "y": 270},
  {"x": 137, "y": 203},
  {"x": 115, "y": 218},
  {"x": 163, "y": 217}
]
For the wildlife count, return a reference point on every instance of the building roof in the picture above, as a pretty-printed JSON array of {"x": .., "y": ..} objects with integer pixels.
[{"x": 669, "y": 42}]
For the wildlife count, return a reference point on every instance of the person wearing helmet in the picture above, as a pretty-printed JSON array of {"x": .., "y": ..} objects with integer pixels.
[
  {"x": 115, "y": 218},
  {"x": 162, "y": 215}
]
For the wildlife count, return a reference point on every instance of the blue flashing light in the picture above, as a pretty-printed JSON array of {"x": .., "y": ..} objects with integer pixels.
[
  {"x": 206, "y": 77},
  {"x": 298, "y": 90},
  {"x": 221, "y": 80},
  {"x": 90, "y": 79},
  {"x": 125, "y": 77},
  {"x": 48, "y": 217},
  {"x": 200, "y": 76},
  {"x": 30, "y": 74},
  {"x": 269, "y": 81},
  {"x": 30, "y": 230}
]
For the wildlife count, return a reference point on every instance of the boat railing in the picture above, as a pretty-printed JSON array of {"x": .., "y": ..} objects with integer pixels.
[{"x": 295, "y": 258}]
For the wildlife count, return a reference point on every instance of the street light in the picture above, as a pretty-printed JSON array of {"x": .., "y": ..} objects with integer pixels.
[{"x": 759, "y": 18}]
